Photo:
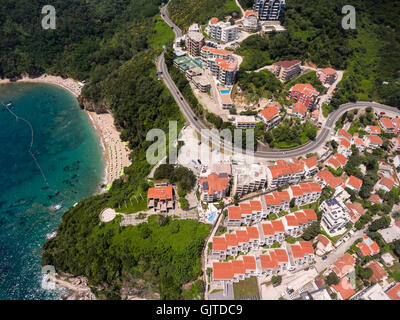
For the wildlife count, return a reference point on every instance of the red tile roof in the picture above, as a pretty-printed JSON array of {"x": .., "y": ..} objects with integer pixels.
[
  {"x": 333, "y": 163},
  {"x": 231, "y": 240},
  {"x": 386, "y": 123},
  {"x": 267, "y": 262},
  {"x": 215, "y": 183},
  {"x": 307, "y": 247},
  {"x": 269, "y": 112},
  {"x": 222, "y": 270},
  {"x": 344, "y": 264},
  {"x": 394, "y": 293},
  {"x": 300, "y": 108},
  {"x": 219, "y": 243},
  {"x": 268, "y": 229},
  {"x": 355, "y": 182},
  {"x": 336, "y": 182},
  {"x": 388, "y": 183},
  {"x": 287, "y": 63},
  {"x": 297, "y": 251},
  {"x": 344, "y": 143},
  {"x": 217, "y": 51},
  {"x": 250, "y": 13},
  {"x": 238, "y": 267},
  {"x": 301, "y": 217},
  {"x": 345, "y": 134},
  {"x": 375, "y": 199},
  {"x": 242, "y": 236},
  {"x": 323, "y": 239},
  {"x": 234, "y": 213},
  {"x": 305, "y": 88},
  {"x": 252, "y": 232},
  {"x": 291, "y": 221},
  {"x": 278, "y": 226},
  {"x": 341, "y": 158},
  {"x": 271, "y": 200},
  {"x": 368, "y": 247},
  {"x": 310, "y": 214},
  {"x": 326, "y": 176},
  {"x": 249, "y": 262},
  {"x": 162, "y": 193},
  {"x": 328, "y": 71},
  {"x": 280, "y": 255},
  {"x": 373, "y": 129},
  {"x": 345, "y": 288},
  {"x": 374, "y": 139},
  {"x": 310, "y": 162},
  {"x": 214, "y": 20},
  {"x": 378, "y": 271}
]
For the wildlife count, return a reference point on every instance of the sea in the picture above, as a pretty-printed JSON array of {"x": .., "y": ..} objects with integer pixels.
[{"x": 50, "y": 155}]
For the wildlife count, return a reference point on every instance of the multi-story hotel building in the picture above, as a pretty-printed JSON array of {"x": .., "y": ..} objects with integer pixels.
[
  {"x": 250, "y": 20},
  {"x": 304, "y": 93},
  {"x": 194, "y": 43},
  {"x": 222, "y": 31},
  {"x": 269, "y": 9},
  {"x": 214, "y": 187},
  {"x": 335, "y": 216},
  {"x": 286, "y": 70}
]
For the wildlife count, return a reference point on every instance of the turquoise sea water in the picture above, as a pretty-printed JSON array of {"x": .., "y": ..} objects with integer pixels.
[{"x": 67, "y": 149}]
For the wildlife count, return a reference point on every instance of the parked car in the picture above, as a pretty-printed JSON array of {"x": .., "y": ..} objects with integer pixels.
[
  {"x": 383, "y": 112},
  {"x": 292, "y": 268},
  {"x": 324, "y": 257},
  {"x": 195, "y": 118}
]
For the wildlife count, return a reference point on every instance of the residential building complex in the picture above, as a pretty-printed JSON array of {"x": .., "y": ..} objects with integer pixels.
[
  {"x": 222, "y": 31},
  {"x": 269, "y": 9},
  {"x": 194, "y": 43},
  {"x": 214, "y": 187},
  {"x": 304, "y": 93},
  {"x": 286, "y": 70},
  {"x": 335, "y": 216},
  {"x": 270, "y": 116},
  {"x": 250, "y": 20},
  {"x": 160, "y": 198},
  {"x": 327, "y": 75}
]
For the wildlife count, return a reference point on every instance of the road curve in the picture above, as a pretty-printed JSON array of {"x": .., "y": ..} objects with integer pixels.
[{"x": 274, "y": 154}]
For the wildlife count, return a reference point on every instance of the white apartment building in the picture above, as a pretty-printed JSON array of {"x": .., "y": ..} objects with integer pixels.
[
  {"x": 222, "y": 31},
  {"x": 269, "y": 9},
  {"x": 305, "y": 193},
  {"x": 250, "y": 20},
  {"x": 335, "y": 216},
  {"x": 283, "y": 173},
  {"x": 248, "y": 178},
  {"x": 245, "y": 122}
]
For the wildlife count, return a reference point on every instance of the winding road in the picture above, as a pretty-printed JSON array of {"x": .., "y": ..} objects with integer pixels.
[{"x": 322, "y": 137}]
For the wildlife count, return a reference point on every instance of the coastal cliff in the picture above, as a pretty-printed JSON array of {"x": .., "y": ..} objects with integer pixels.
[{"x": 93, "y": 107}]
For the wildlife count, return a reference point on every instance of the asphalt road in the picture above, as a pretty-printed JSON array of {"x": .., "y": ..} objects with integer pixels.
[{"x": 309, "y": 147}]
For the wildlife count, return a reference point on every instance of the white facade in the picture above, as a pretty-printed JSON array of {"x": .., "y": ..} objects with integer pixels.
[{"x": 335, "y": 216}]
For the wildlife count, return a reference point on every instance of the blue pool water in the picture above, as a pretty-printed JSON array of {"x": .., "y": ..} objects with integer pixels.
[
  {"x": 225, "y": 91},
  {"x": 212, "y": 217},
  {"x": 68, "y": 152}
]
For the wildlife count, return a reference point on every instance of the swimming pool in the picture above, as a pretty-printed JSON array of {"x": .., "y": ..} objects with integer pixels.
[
  {"x": 225, "y": 91},
  {"x": 212, "y": 217},
  {"x": 178, "y": 53}
]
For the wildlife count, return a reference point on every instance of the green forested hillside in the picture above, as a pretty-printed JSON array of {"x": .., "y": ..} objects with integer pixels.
[
  {"x": 111, "y": 44},
  {"x": 186, "y": 12}
]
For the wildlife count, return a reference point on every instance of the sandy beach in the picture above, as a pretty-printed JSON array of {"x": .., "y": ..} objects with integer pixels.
[
  {"x": 71, "y": 85},
  {"x": 116, "y": 151}
]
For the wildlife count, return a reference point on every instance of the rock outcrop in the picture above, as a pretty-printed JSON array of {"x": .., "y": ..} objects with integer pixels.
[{"x": 93, "y": 107}]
